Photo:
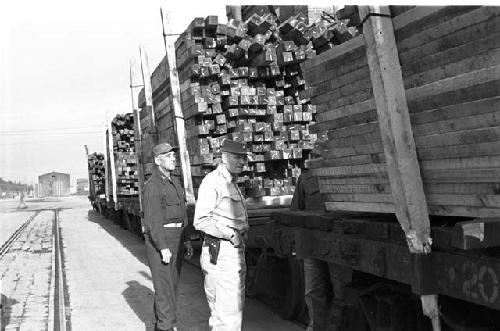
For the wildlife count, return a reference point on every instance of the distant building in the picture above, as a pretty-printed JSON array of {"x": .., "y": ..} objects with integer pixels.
[
  {"x": 82, "y": 186},
  {"x": 54, "y": 184}
]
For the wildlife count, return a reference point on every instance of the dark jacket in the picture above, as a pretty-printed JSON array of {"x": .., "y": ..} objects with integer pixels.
[
  {"x": 163, "y": 203},
  {"x": 307, "y": 195}
]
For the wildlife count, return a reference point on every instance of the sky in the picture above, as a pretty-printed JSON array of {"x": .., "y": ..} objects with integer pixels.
[
  {"x": 64, "y": 67},
  {"x": 64, "y": 73}
]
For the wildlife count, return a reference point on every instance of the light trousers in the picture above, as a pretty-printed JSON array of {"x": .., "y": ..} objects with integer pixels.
[{"x": 225, "y": 286}]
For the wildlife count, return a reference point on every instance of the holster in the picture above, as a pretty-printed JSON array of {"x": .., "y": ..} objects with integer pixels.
[{"x": 213, "y": 247}]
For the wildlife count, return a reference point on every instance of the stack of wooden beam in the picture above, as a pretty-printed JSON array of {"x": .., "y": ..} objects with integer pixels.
[
  {"x": 162, "y": 103},
  {"x": 242, "y": 81},
  {"x": 122, "y": 130},
  {"x": 97, "y": 172},
  {"x": 329, "y": 32},
  {"x": 451, "y": 67}
]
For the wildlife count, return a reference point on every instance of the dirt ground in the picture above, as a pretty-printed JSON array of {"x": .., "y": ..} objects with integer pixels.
[{"x": 107, "y": 277}]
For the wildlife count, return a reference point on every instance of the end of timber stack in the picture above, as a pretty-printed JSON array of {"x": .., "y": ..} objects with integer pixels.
[
  {"x": 97, "y": 172},
  {"x": 243, "y": 81},
  {"x": 450, "y": 63},
  {"x": 122, "y": 130}
]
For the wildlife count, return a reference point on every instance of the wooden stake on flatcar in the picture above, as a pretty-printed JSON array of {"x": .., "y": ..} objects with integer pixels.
[{"x": 397, "y": 135}]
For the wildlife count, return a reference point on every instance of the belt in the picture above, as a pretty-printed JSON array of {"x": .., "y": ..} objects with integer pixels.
[
  {"x": 173, "y": 225},
  {"x": 212, "y": 238}
]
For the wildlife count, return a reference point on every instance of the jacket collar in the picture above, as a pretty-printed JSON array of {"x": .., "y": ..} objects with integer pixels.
[
  {"x": 221, "y": 168},
  {"x": 157, "y": 172}
]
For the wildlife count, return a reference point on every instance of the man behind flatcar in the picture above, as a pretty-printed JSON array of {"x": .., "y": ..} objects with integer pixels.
[
  {"x": 165, "y": 224},
  {"x": 324, "y": 282},
  {"x": 221, "y": 214}
]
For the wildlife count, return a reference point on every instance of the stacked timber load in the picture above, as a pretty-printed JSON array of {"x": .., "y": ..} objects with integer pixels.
[
  {"x": 450, "y": 63},
  {"x": 329, "y": 32},
  {"x": 157, "y": 125},
  {"x": 242, "y": 81},
  {"x": 122, "y": 131},
  {"x": 97, "y": 172},
  {"x": 162, "y": 103}
]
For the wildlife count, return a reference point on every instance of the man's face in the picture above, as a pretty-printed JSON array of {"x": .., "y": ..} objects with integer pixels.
[
  {"x": 166, "y": 161},
  {"x": 234, "y": 162}
]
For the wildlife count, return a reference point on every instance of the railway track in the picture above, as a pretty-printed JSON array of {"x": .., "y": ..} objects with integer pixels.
[
  {"x": 8, "y": 243},
  {"x": 61, "y": 323},
  {"x": 57, "y": 319}
]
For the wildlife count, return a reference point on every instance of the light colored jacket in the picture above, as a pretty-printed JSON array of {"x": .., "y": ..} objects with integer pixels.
[{"x": 220, "y": 208}]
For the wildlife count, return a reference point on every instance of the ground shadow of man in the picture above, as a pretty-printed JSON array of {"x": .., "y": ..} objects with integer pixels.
[
  {"x": 6, "y": 304},
  {"x": 140, "y": 299}
]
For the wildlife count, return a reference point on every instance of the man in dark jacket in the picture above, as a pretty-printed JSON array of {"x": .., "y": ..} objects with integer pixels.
[
  {"x": 324, "y": 282},
  {"x": 165, "y": 219}
]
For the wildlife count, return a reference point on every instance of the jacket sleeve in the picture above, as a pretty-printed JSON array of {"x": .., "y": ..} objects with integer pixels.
[
  {"x": 298, "y": 200},
  {"x": 203, "y": 215},
  {"x": 188, "y": 226},
  {"x": 153, "y": 216}
]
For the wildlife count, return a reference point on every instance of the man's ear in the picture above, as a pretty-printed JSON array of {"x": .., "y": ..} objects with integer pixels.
[
  {"x": 224, "y": 157},
  {"x": 156, "y": 160}
]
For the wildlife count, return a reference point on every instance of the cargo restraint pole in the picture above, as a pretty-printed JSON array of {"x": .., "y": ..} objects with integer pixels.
[
  {"x": 148, "y": 91},
  {"x": 91, "y": 182},
  {"x": 137, "y": 131},
  {"x": 399, "y": 145},
  {"x": 112, "y": 164},
  {"x": 180, "y": 129}
]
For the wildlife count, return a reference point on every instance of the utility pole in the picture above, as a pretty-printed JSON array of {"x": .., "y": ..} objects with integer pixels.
[{"x": 179, "y": 116}]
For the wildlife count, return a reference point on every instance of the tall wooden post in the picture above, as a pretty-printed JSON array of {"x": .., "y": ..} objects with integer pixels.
[
  {"x": 112, "y": 165},
  {"x": 91, "y": 182},
  {"x": 397, "y": 136},
  {"x": 148, "y": 90},
  {"x": 137, "y": 133},
  {"x": 107, "y": 174},
  {"x": 179, "y": 118}
]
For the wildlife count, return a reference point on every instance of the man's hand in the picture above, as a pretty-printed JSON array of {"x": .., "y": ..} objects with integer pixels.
[
  {"x": 166, "y": 255},
  {"x": 189, "y": 249},
  {"x": 237, "y": 240}
]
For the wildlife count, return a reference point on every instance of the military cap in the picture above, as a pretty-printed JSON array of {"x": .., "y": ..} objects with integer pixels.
[
  {"x": 163, "y": 148},
  {"x": 234, "y": 147}
]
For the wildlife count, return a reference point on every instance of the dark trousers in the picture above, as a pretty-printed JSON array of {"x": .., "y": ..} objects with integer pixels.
[
  {"x": 324, "y": 293},
  {"x": 166, "y": 278}
]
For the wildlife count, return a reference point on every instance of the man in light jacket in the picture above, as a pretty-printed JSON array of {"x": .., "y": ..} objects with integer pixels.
[{"x": 221, "y": 213}]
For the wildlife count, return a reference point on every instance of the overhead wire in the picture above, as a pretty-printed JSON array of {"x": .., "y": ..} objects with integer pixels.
[
  {"x": 47, "y": 133},
  {"x": 52, "y": 129},
  {"x": 16, "y": 143}
]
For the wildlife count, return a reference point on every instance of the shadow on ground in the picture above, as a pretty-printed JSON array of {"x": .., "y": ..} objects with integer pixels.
[
  {"x": 134, "y": 294},
  {"x": 130, "y": 241},
  {"x": 6, "y": 310},
  {"x": 192, "y": 314}
]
